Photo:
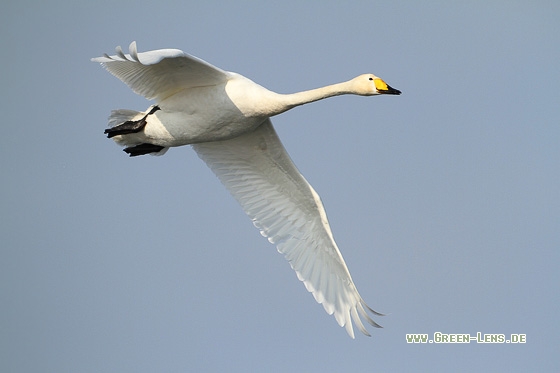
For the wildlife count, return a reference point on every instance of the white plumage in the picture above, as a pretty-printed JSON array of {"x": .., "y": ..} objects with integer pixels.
[{"x": 225, "y": 117}]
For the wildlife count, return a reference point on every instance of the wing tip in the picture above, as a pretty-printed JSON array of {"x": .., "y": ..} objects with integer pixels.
[
  {"x": 345, "y": 318},
  {"x": 120, "y": 56}
]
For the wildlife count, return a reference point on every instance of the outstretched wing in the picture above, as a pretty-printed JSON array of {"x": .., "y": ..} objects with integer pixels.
[
  {"x": 160, "y": 73},
  {"x": 258, "y": 172}
]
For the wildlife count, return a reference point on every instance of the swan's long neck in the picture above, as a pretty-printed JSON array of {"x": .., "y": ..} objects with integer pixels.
[{"x": 300, "y": 98}]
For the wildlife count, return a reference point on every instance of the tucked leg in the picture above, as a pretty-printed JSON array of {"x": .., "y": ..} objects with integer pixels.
[
  {"x": 130, "y": 126},
  {"x": 142, "y": 149}
]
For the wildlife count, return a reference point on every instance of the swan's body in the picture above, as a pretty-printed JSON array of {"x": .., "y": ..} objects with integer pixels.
[{"x": 225, "y": 116}]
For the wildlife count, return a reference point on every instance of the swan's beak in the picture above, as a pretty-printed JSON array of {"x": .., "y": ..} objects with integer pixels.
[
  {"x": 384, "y": 88},
  {"x": 390, "y": 91}
]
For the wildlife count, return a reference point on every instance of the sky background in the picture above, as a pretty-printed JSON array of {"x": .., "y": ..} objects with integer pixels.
[{"x": 445, "y": 201}]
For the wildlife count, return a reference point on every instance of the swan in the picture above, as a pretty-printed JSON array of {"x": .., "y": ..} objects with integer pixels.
[{"x": 226, "y": 118}]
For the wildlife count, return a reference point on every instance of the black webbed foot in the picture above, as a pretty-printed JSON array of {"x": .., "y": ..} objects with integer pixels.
[
  {"x": 142, "y": 149},
  {"x": 130, "y": 126},
  {"x": 127, "y": 127}
]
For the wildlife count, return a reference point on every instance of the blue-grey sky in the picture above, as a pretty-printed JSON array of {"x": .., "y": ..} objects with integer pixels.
[{"x": 444, "y": 201}]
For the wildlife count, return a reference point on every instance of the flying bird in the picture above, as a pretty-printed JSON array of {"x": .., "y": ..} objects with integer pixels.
[{"x": 226, "y": 118}]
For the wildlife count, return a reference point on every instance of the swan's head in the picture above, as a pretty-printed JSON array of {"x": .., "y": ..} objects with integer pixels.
[{"x": 369, "y": 84}]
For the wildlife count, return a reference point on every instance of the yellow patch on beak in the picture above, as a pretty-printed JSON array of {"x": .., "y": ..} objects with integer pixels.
[{"x": 380, "y": 84}]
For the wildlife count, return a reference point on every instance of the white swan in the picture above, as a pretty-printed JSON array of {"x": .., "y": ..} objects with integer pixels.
[{"x": 225, "y": 117}]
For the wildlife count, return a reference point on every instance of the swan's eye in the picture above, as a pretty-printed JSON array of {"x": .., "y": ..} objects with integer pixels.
[{"x": 370, "y": 78}]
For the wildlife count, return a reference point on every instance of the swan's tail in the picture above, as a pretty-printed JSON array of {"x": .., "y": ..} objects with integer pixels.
[
  {"x": 125, "y": 127},
  {"x": 123, "y": 115}
]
